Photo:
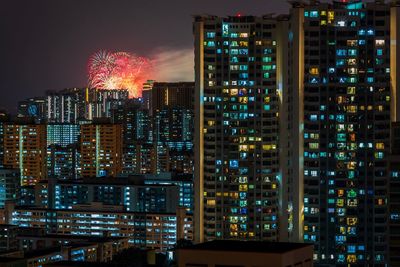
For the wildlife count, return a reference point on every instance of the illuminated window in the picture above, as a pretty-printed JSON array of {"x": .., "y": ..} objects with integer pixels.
[
  {"x": 331, "y": 16},
  {"x": 352, "y": 80},
  {"x": 340, "y": 62},
  {"x": 243, "y": 187},
  {"x": 352, "y": 70},
  {"x": 211, "y": 123},
  {"x": 352, "y": 61},
  {"x": 234, "y": 92},
  {"x": 210, "y": 34},
  {"x": 351, "y": 258},
  {"x": 340, "y": 192},
  {"x": 352, "y": 109},
  {"x": 341, "y": 52},
  {"x": 352, "y": 221},
  {"x": 269, "y": 147},
  {"x": 351, "y": 90},
  {"x": 233, "y": 163},
  {"x": 313, "y": 145},
  {"x": 314, "y": 14},
  {"x": 211, "y": 44},
  {"x": 352, "y": 42},
  {"x": 211, "y": 202},
  {"x": 380, "y": 202},
  {"x": 380, "y": 146},
  {"x": 267, "y": 59},
  {"x": 314, "y": 71}
]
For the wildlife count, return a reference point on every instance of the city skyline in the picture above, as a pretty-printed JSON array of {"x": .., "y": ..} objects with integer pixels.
[
  {"x": 53, "y": 41},
  {"x": 201, "y": 129}
]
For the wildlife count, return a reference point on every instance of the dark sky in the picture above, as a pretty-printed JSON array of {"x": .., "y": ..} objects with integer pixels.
[{"x": 45, "y": 44}]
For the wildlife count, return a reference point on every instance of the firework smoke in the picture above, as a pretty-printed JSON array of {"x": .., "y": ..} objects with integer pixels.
[
  {"x": 119, "y": 70},
  {"x": 173, "y": 65}
]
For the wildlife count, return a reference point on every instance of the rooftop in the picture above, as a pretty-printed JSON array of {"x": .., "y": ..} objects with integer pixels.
[{"x": 248, "y": 246}]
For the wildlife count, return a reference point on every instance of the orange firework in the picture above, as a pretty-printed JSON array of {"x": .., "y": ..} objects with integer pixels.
[{"x": 119, "y": 70}]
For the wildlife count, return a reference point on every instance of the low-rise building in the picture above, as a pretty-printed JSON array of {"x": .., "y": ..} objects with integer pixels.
[
  {"x": 246, "y": 254},
  {"x": 46, "y": 249},
  {"x": 158, "y": 231},
  {"x": 132, "y": 195}
]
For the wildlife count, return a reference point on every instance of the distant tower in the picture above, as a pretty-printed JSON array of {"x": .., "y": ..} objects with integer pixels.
[{"x": 146, "y": 94}]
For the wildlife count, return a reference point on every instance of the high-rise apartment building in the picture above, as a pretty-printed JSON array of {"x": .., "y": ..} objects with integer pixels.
[
  {"x": 25, "y": 149},
  {"x": 173, "y": 126},
  {"x": 173, "y": 133},
  {"x": 394, "y": 196},
  {"x": 330, "y": 82},
  {"x": 237, "y": 116},
  {"x": 137, "y": 129},
  {"x": 63, "y": 162},
  {"x": 62, "y": 134},
  {"x": 66, "y": 106},
  {"x": 72, "y": 105},
  {"x": 146, "y": 94},
  {"x": 101, "y": 149},
  {"x": 341, "y": 98},
  {"x": 63, "y": 158},
  {"x": 100, "y": 103}
]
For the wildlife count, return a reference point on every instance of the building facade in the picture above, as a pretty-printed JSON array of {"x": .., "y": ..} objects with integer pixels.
[
  {"x": 166, "y": 94},
  {"x": 394, "y": 196},
  {"x": 159, "y": 231},
  {"x": 130, "y": 194},
  {"x": 25, "y": 149},
  {"x": 237, "y": 127},
  {"x": 341, "y": 99},
  {"x": 101, "y": 149},
  {"x": 10, "y": 186}
]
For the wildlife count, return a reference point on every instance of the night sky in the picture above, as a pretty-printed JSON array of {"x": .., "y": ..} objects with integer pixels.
[{"x": 45, "y": 44}]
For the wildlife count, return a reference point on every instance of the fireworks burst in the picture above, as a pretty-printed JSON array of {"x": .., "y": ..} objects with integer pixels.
[{"x": 119, "y": 70}]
